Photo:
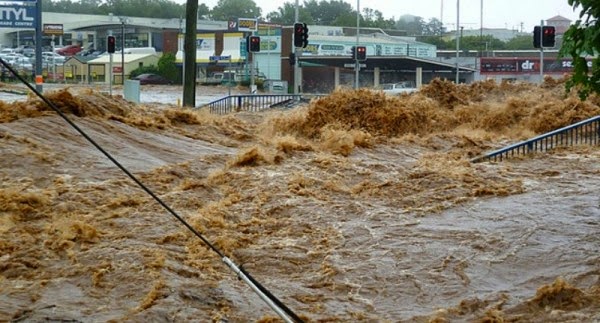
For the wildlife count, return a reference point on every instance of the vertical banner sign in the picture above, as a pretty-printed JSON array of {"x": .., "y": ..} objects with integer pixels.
[{"x": 17, "y": 16}]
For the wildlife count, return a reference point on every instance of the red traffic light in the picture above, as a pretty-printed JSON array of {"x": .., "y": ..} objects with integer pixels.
[
  {"x": 110, "y": 44},
  {"x": 548, "y": 37},
  {"x": 253, "y": 43},
  {"x": 300, "y": 35},
  {"x": 361, "y": 53}
]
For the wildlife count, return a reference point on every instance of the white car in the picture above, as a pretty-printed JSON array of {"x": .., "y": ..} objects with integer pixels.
[
  {"x": 52, "y": 58},
  {"x": 397, "y": 88},
  {"x": 22, "y": 63}
]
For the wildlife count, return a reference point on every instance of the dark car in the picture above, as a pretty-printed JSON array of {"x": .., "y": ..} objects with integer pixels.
[{"x": 150, "y": 78}]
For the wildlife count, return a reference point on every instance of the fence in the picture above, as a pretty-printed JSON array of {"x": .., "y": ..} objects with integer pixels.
[
  {"x": 249, "y": 102},
  {"x": 584, "y": 132}
]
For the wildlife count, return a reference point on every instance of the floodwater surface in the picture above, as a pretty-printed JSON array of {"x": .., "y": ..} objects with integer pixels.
[{"x": 355, "y": 207}]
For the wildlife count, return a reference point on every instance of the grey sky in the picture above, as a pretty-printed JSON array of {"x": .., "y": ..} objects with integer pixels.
[{"x": 496, "y": 13}]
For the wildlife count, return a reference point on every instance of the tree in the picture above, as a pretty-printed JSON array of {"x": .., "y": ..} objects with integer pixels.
[
  {"x": 326, "y": 12},
  {"x": 520, "y": 42},
  {"x": 413, "y": 25},
  {"x": 286, "y": 15},
  {"x": 583, "y": 39},
  {"x": 439, "y": 42},
  {"x": 226, "y": 9},
  {"x": 166, "y": 66},
  {"x": 374, "y": 18},
  {"x": 433, "y": 28},
  {"x": 203, "y": 11},
  {"x": 478, "y": 43}
]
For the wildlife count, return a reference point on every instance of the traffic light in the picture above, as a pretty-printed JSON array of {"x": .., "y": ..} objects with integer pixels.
[
  {"x": 361, "y": 53},
  {"x": 544, "y": 36},
  {"x": 304, "y": 36},
  {"x": 353, "y": 49},
  {"x": 253, "y": 44},
  {"x": 300, "y": 35},
  {"x": 548, "y": 33},
  {"x": 110, "y": 44},
  {"x": 292, "y": 59},
  {"x": 537, "y": 36}
]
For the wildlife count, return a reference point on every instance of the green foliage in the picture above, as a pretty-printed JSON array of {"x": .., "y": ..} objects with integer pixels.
[
  {"x": 580, "y": 40},
  {"x": 478, "y": 43},
  {"x": 286, "y": 15},
  {"x": 413, "y": 25},
  {"x": 226, "y": 9},
  {"x": 166, "y": 66},
  {"x": 438, "y": 41},
  {"x": 143, "y": 70},
  {"x": 326, "y": 12},
  {"x": 520, "y": 42}
]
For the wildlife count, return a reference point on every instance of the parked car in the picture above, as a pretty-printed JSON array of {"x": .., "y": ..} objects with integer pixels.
[
  {"x": 150, "y": 78},
  {"x": 52, "y": 58},
  {"x": 69, "y": 50},
  {"x": 398, "y": 88}
]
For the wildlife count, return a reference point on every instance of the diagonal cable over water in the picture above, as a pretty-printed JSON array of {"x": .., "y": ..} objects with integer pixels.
[{"x": 281, "y": 309}]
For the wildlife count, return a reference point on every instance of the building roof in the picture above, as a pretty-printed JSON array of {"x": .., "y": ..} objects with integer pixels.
[
  {"x": 367, "y": 39},
  {"x": 559, "y": 18},
  {"x": 104, "y": 59},
  {"x": 81, "y": 59}
]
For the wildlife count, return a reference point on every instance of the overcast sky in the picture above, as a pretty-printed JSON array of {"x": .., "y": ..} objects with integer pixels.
[{"x": 496, "y": 13}]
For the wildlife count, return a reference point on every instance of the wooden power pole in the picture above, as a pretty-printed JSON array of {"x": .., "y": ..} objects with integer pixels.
[{"x": 189, "y": 54}]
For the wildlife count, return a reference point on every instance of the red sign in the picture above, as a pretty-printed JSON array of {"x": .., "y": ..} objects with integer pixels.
[{"x": 117, "y": 69}]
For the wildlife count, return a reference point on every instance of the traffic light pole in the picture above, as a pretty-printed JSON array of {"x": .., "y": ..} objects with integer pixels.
[
  {"x": 252, "y": 86},
  {"x": 542, "y": 51},
  {"x": 297, "y": 53},
  {"x": 110, "y": 73},
  {"x": 356, "y": 62}
]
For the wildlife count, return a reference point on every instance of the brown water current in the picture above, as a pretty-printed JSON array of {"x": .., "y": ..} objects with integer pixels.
[{"x": 356, "y": 207}]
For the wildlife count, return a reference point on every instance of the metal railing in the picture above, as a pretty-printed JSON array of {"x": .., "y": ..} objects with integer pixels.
[
  {"x": 249, "y": 102},
  {"x": 584, "y": 132}
]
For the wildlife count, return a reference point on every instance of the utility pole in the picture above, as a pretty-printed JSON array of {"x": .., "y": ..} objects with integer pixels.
[
  {"x": 189, "y": 48},
  {"x": 356, "y": 62},
  {"x": 457, "y": 39},
  {"x": 297, "y": 53},
  {"x": 542, "y": 51},
  {"x": 38, "y": 47},
  {"x": 123, "y": 20}
]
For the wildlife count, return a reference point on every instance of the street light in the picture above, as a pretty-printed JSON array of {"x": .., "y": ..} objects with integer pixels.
[
  {"x": 457, "y": 37},
  {"x": 123, "y": 21}
]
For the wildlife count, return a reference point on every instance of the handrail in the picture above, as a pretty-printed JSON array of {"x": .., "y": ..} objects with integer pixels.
[
  {"x": 583, "y": 132},
  {"x": 249, "y": 102}
]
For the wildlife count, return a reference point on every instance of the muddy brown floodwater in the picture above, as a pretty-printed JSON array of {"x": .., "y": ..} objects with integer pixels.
[{"x": 355, "y": 207}]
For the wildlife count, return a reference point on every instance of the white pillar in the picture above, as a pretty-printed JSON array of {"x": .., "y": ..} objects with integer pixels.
[
  {"x": 376, "y": 75},
  {"x": 150, "y": 39},
  {"x": 419, "y": 77},
  {"x": 336, "y": 77}
]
